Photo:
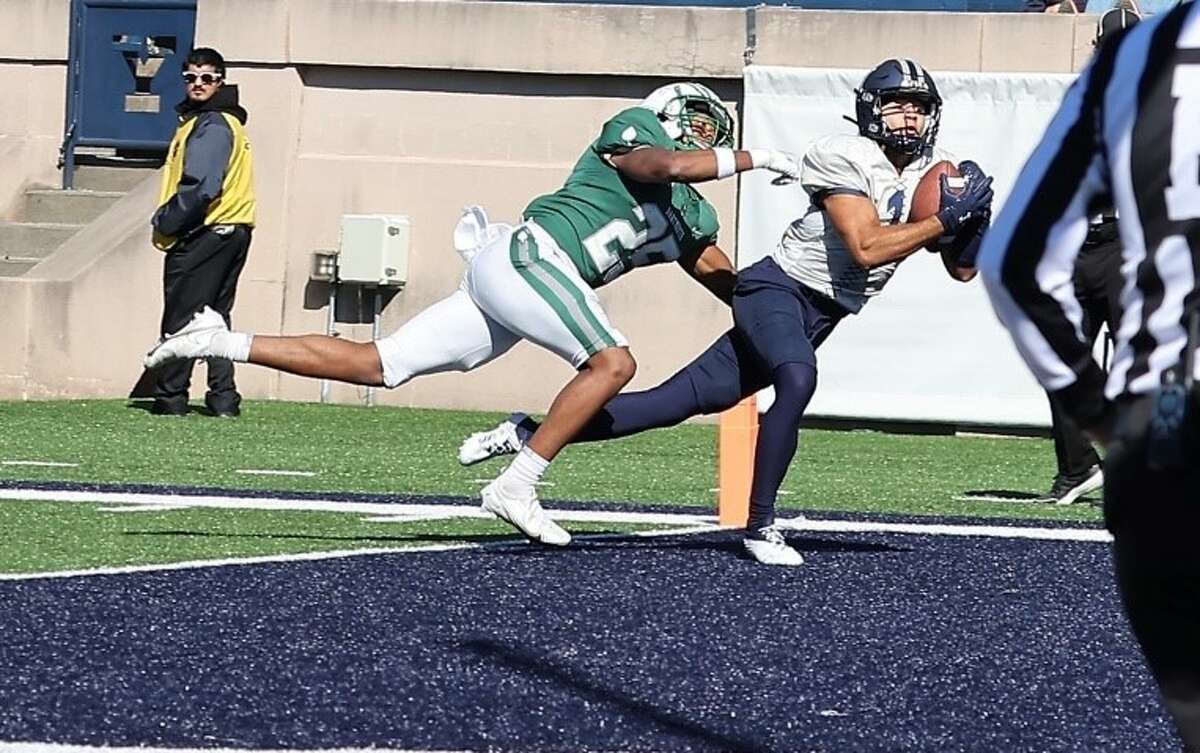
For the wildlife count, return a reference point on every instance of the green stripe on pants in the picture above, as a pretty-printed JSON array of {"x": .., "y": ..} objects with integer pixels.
[{"x": 560, "y": 292}]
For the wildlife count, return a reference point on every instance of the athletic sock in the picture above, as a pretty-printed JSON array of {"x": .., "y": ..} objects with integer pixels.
[
  {"x": 232, "y": 345},
  {"x": 526, "y": 469}
]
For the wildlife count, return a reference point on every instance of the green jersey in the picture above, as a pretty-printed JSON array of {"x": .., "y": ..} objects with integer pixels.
[{"x": 608, "y": 224}]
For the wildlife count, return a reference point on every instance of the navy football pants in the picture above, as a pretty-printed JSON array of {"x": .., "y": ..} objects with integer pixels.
[{"x": 778, "y": 324}]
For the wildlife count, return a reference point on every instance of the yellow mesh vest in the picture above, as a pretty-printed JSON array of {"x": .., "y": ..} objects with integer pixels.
[{"x": 236, "y": 203}]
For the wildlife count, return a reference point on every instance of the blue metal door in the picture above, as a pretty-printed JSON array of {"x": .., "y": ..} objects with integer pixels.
[{"x": 124, "y": 79}]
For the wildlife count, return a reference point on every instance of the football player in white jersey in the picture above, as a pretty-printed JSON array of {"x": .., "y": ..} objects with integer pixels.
[{"x": 839, "y": 253}]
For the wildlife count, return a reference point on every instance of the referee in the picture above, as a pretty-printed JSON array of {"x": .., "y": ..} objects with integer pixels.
[
  {"x": 1097, "y": 281},
  {"x": 1128, "y": 133}
]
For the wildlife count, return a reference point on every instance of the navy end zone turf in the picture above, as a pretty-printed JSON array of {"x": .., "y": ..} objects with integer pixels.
[{"x": 878, "y": 643}]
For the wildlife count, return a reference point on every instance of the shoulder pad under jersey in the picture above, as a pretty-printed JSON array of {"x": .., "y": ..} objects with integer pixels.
[{"x": 630, "y": 129}]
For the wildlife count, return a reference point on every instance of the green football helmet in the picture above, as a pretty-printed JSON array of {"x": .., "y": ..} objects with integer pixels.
[{"x": 692, "y": 115}]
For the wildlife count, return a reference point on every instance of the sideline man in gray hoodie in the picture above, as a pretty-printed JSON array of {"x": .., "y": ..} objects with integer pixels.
[{"x": 203, "y": 223}]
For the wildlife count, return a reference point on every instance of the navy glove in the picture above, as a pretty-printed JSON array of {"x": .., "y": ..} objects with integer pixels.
[
  {"x": 973, "y": 200},
  {"x": 971, "y": 171},
  {"x": 965, "y": 245}
]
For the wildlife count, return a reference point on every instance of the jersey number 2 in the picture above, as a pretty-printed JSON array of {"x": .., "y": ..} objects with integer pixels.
[{"x": 620, "y": 244}]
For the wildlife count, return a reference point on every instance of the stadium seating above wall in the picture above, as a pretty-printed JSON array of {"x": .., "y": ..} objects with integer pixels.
[{"x": 972, "y": 6}]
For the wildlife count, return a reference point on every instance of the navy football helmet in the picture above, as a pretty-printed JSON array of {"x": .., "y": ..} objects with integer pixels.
[{"x": 891, "y": 79}]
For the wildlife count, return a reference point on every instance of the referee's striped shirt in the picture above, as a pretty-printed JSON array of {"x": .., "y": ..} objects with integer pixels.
[{"x": 1128, "y": 132}]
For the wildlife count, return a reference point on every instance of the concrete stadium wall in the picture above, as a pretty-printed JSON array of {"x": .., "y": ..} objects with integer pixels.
[
  {"x": 33, "y": 75},
  {"x": 419, "y": 108}
]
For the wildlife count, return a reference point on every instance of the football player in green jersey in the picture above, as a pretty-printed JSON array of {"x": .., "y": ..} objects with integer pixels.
[{"x": 626, "y": 204}]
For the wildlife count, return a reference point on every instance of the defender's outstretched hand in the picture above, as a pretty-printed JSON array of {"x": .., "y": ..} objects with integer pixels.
[{"x": 779, "y": 162}]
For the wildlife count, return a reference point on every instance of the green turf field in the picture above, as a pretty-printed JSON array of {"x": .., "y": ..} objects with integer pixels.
[{"x": 392, "y": 450}]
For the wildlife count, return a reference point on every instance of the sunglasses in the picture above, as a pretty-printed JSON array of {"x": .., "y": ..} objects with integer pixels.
[{"x": 205, "y": 78}]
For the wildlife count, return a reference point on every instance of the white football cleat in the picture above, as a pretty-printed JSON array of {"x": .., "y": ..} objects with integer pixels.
[
  {"x": 768, "y": 546},
  {"x": 194, "y": 340},
  {"x": 523, "y": 510},
  {"x": 502, "y": 440}
]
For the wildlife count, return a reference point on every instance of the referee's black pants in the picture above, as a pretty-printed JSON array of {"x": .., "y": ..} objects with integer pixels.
[
  {"x": 202, "y": 270},
  {"x": 1098, "y": 284},
  {"x": 1154, "y": 516}
]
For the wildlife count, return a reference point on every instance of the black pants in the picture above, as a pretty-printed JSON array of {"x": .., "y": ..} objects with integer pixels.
[
  {"x": 201, "y": 271},
  {"x": 1154, "y": 516},
  {"x": 1098, "y": 285}
]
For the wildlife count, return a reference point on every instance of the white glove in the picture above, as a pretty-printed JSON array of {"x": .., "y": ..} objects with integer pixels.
[{"x": 777, "y": 162}]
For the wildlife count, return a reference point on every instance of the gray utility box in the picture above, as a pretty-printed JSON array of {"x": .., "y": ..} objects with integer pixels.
[{"x": 373, "y": 249}]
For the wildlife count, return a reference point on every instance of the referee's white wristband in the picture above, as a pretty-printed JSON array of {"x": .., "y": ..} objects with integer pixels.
[
  {"x": 726, "y": 162},
  {"x": 759, "y": 157}
]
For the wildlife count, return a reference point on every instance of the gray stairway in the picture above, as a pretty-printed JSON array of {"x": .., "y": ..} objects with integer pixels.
[{"x": 46, "y": 217}]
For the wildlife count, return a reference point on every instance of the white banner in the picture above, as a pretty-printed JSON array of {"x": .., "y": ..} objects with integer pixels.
[{"x": 928, "y": 348}]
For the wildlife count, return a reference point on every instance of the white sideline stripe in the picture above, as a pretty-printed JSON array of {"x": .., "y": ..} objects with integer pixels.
[
  {"x": 40, "y": 463},
  {"x": 328, "y": 555},
  {"x": 325, "y": 505},
  {"x": 6, "y": 747},
  {"x": 269, "y": 472},
  {"x": 594, "y": 516},
  {"x": 198, "y": 564},
  {"x": 942, "y": 529}
]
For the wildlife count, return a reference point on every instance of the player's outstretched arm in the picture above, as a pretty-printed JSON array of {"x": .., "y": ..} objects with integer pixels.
[
  {"x": 657, "y": 165},
  {"x": 869, "y": 241},
  {"x": 712, "y": 269}
]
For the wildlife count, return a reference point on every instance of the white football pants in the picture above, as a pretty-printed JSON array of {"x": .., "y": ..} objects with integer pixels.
[{"x": 519, "y": 285}]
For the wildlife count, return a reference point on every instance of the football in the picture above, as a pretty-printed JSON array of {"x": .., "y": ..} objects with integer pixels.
[{"x": 927, "y": 200}]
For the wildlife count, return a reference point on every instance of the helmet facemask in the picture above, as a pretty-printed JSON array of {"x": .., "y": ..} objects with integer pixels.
[
  {"x": 703, "y": 126},
  {"x": 899, "y": 140},
  {"x": 692, "y": 115}
]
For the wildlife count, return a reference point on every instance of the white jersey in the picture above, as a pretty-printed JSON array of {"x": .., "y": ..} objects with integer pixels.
[{"x": 811, "y": 250}]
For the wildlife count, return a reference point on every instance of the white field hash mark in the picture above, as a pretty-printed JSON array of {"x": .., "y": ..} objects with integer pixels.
[
  {"x": 270, "y": 472},
  {"x": 677, "y": 524},
  {"x": 39, "y": 463}
]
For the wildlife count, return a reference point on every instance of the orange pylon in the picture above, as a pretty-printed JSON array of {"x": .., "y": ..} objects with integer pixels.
[{"x": 735, "y": 464}]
